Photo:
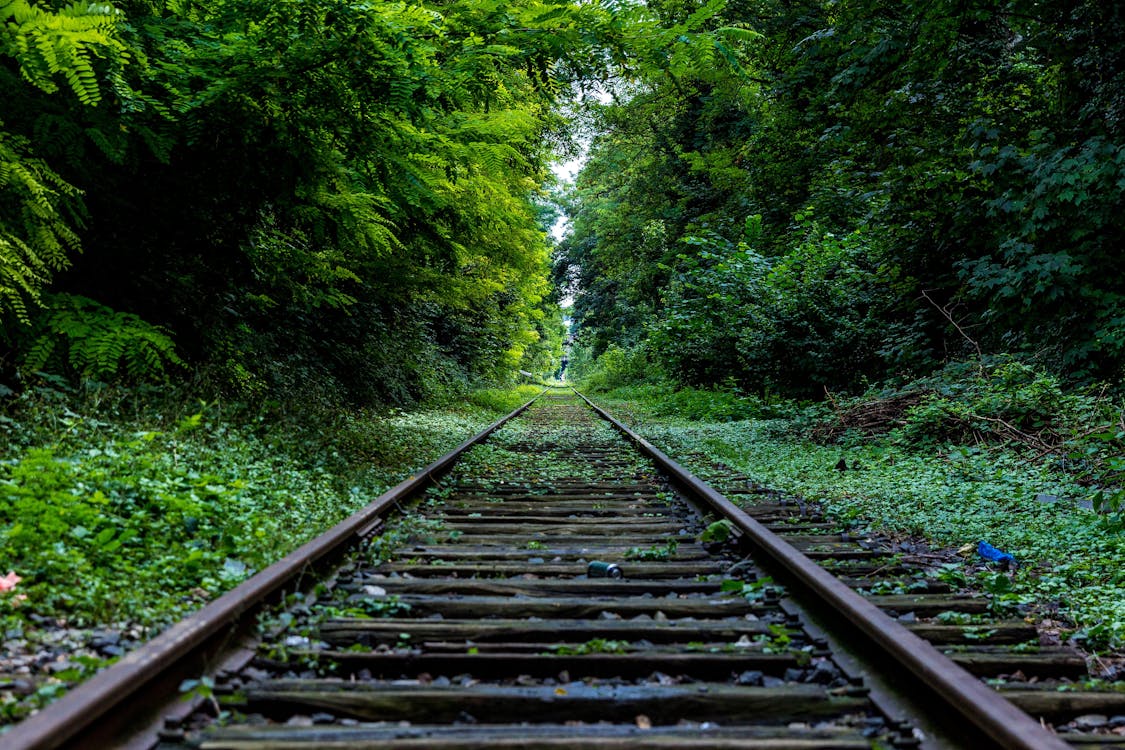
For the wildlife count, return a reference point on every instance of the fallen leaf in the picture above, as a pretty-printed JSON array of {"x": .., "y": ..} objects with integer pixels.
[{"x": 8, "y": 582}]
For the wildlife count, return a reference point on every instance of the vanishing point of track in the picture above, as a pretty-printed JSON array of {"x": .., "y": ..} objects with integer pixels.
[{"x": 475, "y": 619}]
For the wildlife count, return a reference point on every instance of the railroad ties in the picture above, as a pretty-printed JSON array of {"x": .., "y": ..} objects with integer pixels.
[
  {"x": 474, "y": 623},
  {"x": 987, "y": 635},
  {"x": 476, "y": 620}
]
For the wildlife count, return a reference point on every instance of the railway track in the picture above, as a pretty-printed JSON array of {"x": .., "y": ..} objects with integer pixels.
[{"x": 491, "y": 614}]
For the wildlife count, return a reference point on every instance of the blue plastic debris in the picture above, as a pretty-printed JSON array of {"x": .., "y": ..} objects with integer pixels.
[{"x": 990, "y": 553}]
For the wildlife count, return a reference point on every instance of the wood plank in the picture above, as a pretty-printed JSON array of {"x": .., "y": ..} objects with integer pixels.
[
  {"x": 523, "y": 510},
  {"x": 507, "y": 569},
  {"x": 575, "y": 607},
  {"x": 532, "y": 737},
  {"x": 545, "y": 587},
  {"x": 547, "y": 501},
  {"x": 924, "y": 605},
  {"x": 779, "y": 512},
  {"x": 572, "y": 526},
  {"x": 843, "y": 552},
  {"x": 496, "y": 665},
  {"x": 561, "y": 487},
  {"x": 912, "y": 585},
  {"x": 1095, "y": 741},
  {"x": 876, "y": 569},
  {"x": 552, "y": 496},
  {"x": 520, "y": 539},
  {"x": 553, "y": 499},
  {"x": 1055, "y": 705},
  {"x": 989, "y": 664},
  {"x": 550, "y": 550},
  {"x": 1015, "y": 631},
  {"x": 372, "y": 632},
  {"x": 573, "y": 519},
  {"x": 544, "y": 647},
  {"x": 570, "y": 702}
]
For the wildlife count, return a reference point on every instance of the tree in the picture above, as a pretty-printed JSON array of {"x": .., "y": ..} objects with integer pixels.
[{"x": 975, "y": 148}]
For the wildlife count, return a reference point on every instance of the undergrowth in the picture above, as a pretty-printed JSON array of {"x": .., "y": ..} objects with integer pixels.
[
  {"x": 1001, "y": 453},
  {"x": 126, "y": 509},
  {"x": 120, "y": 507}
]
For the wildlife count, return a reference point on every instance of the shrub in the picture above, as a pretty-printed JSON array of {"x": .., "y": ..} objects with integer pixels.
[
  {"x": 90, "y": 340},
  {"x": 500, "y": 400},
  {"x": 811, "y": 317},
  {"x": 618, "y": 367},
  {"x": 1001, "y": 400}
]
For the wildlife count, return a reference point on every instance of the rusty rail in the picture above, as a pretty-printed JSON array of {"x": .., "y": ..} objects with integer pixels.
[{"x": 1010, "y": 727}]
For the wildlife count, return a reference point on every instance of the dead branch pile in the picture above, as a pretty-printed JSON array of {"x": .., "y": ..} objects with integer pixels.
[
  {"x": 991, "y": 430},
  {"x": 873, "y": 417}
]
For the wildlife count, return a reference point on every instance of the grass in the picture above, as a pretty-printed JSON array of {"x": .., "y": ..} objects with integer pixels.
[
  {"x": 121, "y": 510},
  {"x": 184, "y": 505},
  {"x": 952, "y": 495},
  {"x": 504, "y": 459}
]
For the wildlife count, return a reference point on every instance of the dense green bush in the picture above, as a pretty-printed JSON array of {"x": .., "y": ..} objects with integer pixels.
[
  {"x": 998, "y": 400},
  {"x": 503, "y": 400},
  {"x": 363, "y": 225},
  {"x": 808, "y": 319},
  {"x": 614, "y": 368},
  {"x": 1005, "y": 400},
  {"x": 964, "y": 165},
  {"x": 710, "y": 405}
]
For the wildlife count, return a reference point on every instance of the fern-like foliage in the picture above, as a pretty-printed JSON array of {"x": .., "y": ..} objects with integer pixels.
[
  {"x": 49, "y": 46},
  {"x": 34, "y": 238},
  {"x": 52, "y": 50},
  {"x": 289, "y": 271},
  {"x": 92, "y": 341}
]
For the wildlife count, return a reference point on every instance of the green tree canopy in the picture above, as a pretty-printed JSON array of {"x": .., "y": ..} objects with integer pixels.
[{"x": 933, "y": 179}]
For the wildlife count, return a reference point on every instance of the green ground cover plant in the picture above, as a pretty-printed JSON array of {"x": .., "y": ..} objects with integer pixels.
[
  {"x": 124, "y": 510},
  {"x": 504, "y": 460},
  {"x": 96, "y": 489},
  {"x": 952, "y": 488}
]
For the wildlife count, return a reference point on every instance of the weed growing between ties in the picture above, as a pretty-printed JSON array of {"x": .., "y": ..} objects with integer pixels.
[
  {"x": 950, "y": 494},
  {"x": 120, "y": 514},
  {"x": 503, "y": 461}
]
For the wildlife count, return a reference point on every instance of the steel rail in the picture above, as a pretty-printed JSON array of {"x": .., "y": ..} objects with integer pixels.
[
  {"x": 111, "y": 690},
  {"x": 983, "y": 707}
]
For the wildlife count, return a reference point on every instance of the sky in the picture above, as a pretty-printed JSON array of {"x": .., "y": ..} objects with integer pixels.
[{"x": 565, "y": 172}]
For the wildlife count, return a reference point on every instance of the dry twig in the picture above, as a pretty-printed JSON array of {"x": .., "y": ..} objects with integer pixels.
[{"x": 949, "y": 316}]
